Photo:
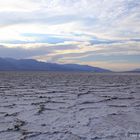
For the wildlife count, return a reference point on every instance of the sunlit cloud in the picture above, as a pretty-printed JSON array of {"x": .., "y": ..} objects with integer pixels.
[{"x": 70, "y": 31}]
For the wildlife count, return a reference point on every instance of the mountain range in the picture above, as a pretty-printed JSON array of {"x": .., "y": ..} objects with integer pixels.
[
  {"x": 135, "y": 70},
  {"x": 10, "y": 64}
]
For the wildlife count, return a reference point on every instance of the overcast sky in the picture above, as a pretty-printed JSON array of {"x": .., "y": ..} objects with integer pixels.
[{"x": 103, "y": 33}]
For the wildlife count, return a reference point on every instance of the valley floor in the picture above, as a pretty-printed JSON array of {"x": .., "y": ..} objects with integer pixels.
[{"x": 69, "y": 106}]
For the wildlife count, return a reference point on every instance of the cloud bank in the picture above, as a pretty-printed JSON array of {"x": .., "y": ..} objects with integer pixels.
[{"x": 98, "y": 33}]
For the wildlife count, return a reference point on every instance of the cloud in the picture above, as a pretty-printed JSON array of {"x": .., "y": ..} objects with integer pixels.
[
  {"x": 70, "y": 30},
  {"x": 76, "y": 52},
  {"x": 31, "y": 50}
]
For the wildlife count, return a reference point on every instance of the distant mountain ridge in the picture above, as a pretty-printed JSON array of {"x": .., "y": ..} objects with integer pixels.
[
  {"x": 10, "y": 64},
  {"x": 135, "y": 70}
]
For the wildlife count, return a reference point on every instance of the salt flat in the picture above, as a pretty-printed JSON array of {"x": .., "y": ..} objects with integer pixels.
[{"x": 69, "y": 106}]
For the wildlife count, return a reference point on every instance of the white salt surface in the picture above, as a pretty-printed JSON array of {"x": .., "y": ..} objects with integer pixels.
[{"x": 69, "y": 106}]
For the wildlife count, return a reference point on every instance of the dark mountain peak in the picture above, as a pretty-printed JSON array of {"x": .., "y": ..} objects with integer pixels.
[{"x": 8, "y": 64}]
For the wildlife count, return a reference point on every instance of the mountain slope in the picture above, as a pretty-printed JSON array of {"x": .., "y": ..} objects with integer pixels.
[
  {"x": 9, "y": 64},
  {"x": 135, "y": 70}
]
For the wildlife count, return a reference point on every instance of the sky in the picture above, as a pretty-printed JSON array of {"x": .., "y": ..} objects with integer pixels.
[{"x": 102, "y": 33}]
